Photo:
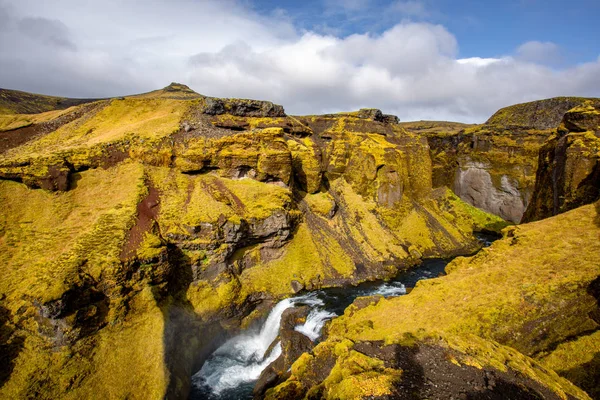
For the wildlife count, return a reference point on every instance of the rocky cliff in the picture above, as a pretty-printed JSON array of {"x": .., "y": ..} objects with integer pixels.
[
  {"x": 136, "y": 230},
  {"x": 568, "y": 174},
  {"x": 493, "y": 166}
]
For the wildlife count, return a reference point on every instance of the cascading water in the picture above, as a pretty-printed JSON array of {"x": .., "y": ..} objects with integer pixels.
[
  {"x": 232, "y": 370},
  {"x": 241, "y": 359}
]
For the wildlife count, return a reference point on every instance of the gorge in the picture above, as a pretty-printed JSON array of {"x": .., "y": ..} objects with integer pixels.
[{"x": 139, "y": 234}]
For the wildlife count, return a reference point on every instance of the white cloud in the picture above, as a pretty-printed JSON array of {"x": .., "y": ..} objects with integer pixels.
[
  {"x": 222, "y": 48},
  {"x": 539, "y": 52}
]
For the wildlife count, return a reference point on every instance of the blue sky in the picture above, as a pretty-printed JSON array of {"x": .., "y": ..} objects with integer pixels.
[
  {"x": 419, "y": 59},
  {"x": 483, "y": 28}
]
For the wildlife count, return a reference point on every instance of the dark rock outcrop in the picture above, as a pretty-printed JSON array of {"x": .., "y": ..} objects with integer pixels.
[
  {"x": 293, "y": 344},
  {"x": 242, "y": 108},
  {"x": 541, "y": 114},
  {"x": 568, "y": 174}
]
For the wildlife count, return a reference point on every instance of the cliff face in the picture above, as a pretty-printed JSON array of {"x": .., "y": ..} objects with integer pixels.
[
  {"x": 568, "y": 174},
  {"x": 130, "y": 225},
  {"x": 505, "y": 320},
  {"x": 493, "y": 166}
]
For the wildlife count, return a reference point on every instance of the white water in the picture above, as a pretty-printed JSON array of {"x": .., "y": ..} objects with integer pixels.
[
  {"x": 243, "y": 358},
  {"x": 314, "y": 323},
  {"x": 391, "y": 289}
]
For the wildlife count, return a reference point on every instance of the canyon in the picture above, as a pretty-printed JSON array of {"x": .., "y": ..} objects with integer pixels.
[{"x": 139, "y": 233}]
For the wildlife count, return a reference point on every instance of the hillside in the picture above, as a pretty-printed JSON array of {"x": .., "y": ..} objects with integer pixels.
[{"x": 138, "y": 233}]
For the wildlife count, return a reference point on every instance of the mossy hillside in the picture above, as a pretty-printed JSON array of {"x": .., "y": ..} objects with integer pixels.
[
  {"x": 14, "y": 121},
  {"x": 515, "y": 300},
  {"x": 340, "y": 369},
  {"x": 48, "y": 237},
  {"x": 147, "y": 119},
  {"x": 517, "y": 292},
  {"x": 56, "y": 242},
  {"x": 218, "y": 240},
  {"x": 18, "y": 102},
  {"x": 102, "y": 363},
  {"x": 261, "y": 155},
  {"x": 188, "y": 201},
  {"x": 435, "y": 128},
  {"x": 577, "y": 360}
]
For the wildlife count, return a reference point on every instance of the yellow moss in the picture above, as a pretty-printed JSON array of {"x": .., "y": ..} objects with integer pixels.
[
  {"x": 147, "y": 119},
  {"x": 577, "y": 360},
  {"x": 300, "y": 262},
  {"x": 321, "y": 203},
  {"x": 499, "y": 291},
  {"x": 259, "y": 199},
  {"x": 151, "y": 247},
  {"x": 15, "y": 121},
  {"x": 47, "y": 237},
  {"x": 208, "y": 301},
  {"x": 356, "y": 376}
]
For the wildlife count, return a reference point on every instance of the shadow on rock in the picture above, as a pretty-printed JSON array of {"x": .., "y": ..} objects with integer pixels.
[{"x": 10, "y": 345}]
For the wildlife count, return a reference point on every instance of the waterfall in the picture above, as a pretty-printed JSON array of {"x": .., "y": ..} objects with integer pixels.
[
  {"x": 232, "y": 370},
  {"x": 242, "y": 358}
]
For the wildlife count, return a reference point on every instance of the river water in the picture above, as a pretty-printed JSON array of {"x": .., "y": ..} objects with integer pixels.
[{"x": 232, "y": 370}]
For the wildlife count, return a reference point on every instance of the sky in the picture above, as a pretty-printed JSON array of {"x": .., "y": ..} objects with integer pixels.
[{"x": 457, "y": 60}]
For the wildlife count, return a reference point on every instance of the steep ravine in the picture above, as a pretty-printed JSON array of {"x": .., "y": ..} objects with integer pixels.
[
  {"x": 122, "y": 242},
  {"x": 232, "y": 370},
  {"x": 137, "y": 233}
]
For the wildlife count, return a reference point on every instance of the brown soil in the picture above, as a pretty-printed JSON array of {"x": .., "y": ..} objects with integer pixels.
[
  {"x": 147, "y": 211},
  {"x": 17, "y": 137}
]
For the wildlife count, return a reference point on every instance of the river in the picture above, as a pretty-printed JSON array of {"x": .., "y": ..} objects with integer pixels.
[{"x": 232, "y": 370}]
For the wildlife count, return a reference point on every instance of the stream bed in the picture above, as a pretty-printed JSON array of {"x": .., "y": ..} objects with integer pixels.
[{"x": 233, "y": 369}]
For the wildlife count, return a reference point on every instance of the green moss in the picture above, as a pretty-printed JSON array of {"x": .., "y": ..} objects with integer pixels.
[
  {"x": 577, "y": 360},
  {"x": 501, "y": 293},
  {"x": 321, "y": 203},
  {"x": 49, "y": 237}
]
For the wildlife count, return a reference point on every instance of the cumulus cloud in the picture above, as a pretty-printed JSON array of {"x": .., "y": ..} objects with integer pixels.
[
  {"x": 540, "y": 52},
  {"x": 223, "y": 48}
]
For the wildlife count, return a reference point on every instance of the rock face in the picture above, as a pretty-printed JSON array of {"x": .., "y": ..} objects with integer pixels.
[
  {"x": 541, "y": 114},
  {"x": 130, "y": 249},
  {"x": 504, "y": 321},
  {"x": 568, "y": 174},
  {"x": 473, "y": 184},
  {"x": 490, "y": 167},
  {"x": 493, "y": 166}
]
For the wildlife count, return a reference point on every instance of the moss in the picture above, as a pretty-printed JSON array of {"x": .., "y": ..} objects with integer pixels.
[
  {"x": 258, "y": 200},
  {"x": 48, "y": 237},
  {"x": 151, "y": 247},
  {"x": 321, "y": 203},
  {"x": 208, "y": 299},
  {"x": 503, "y": 293},
  {"x": 577, "y": 360},
  {"x": 356, "y": 376},
  {"x": 120, "y": 120},
  {"x": 300, "y": 262},
  {"x": 15, "y": 121}
]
